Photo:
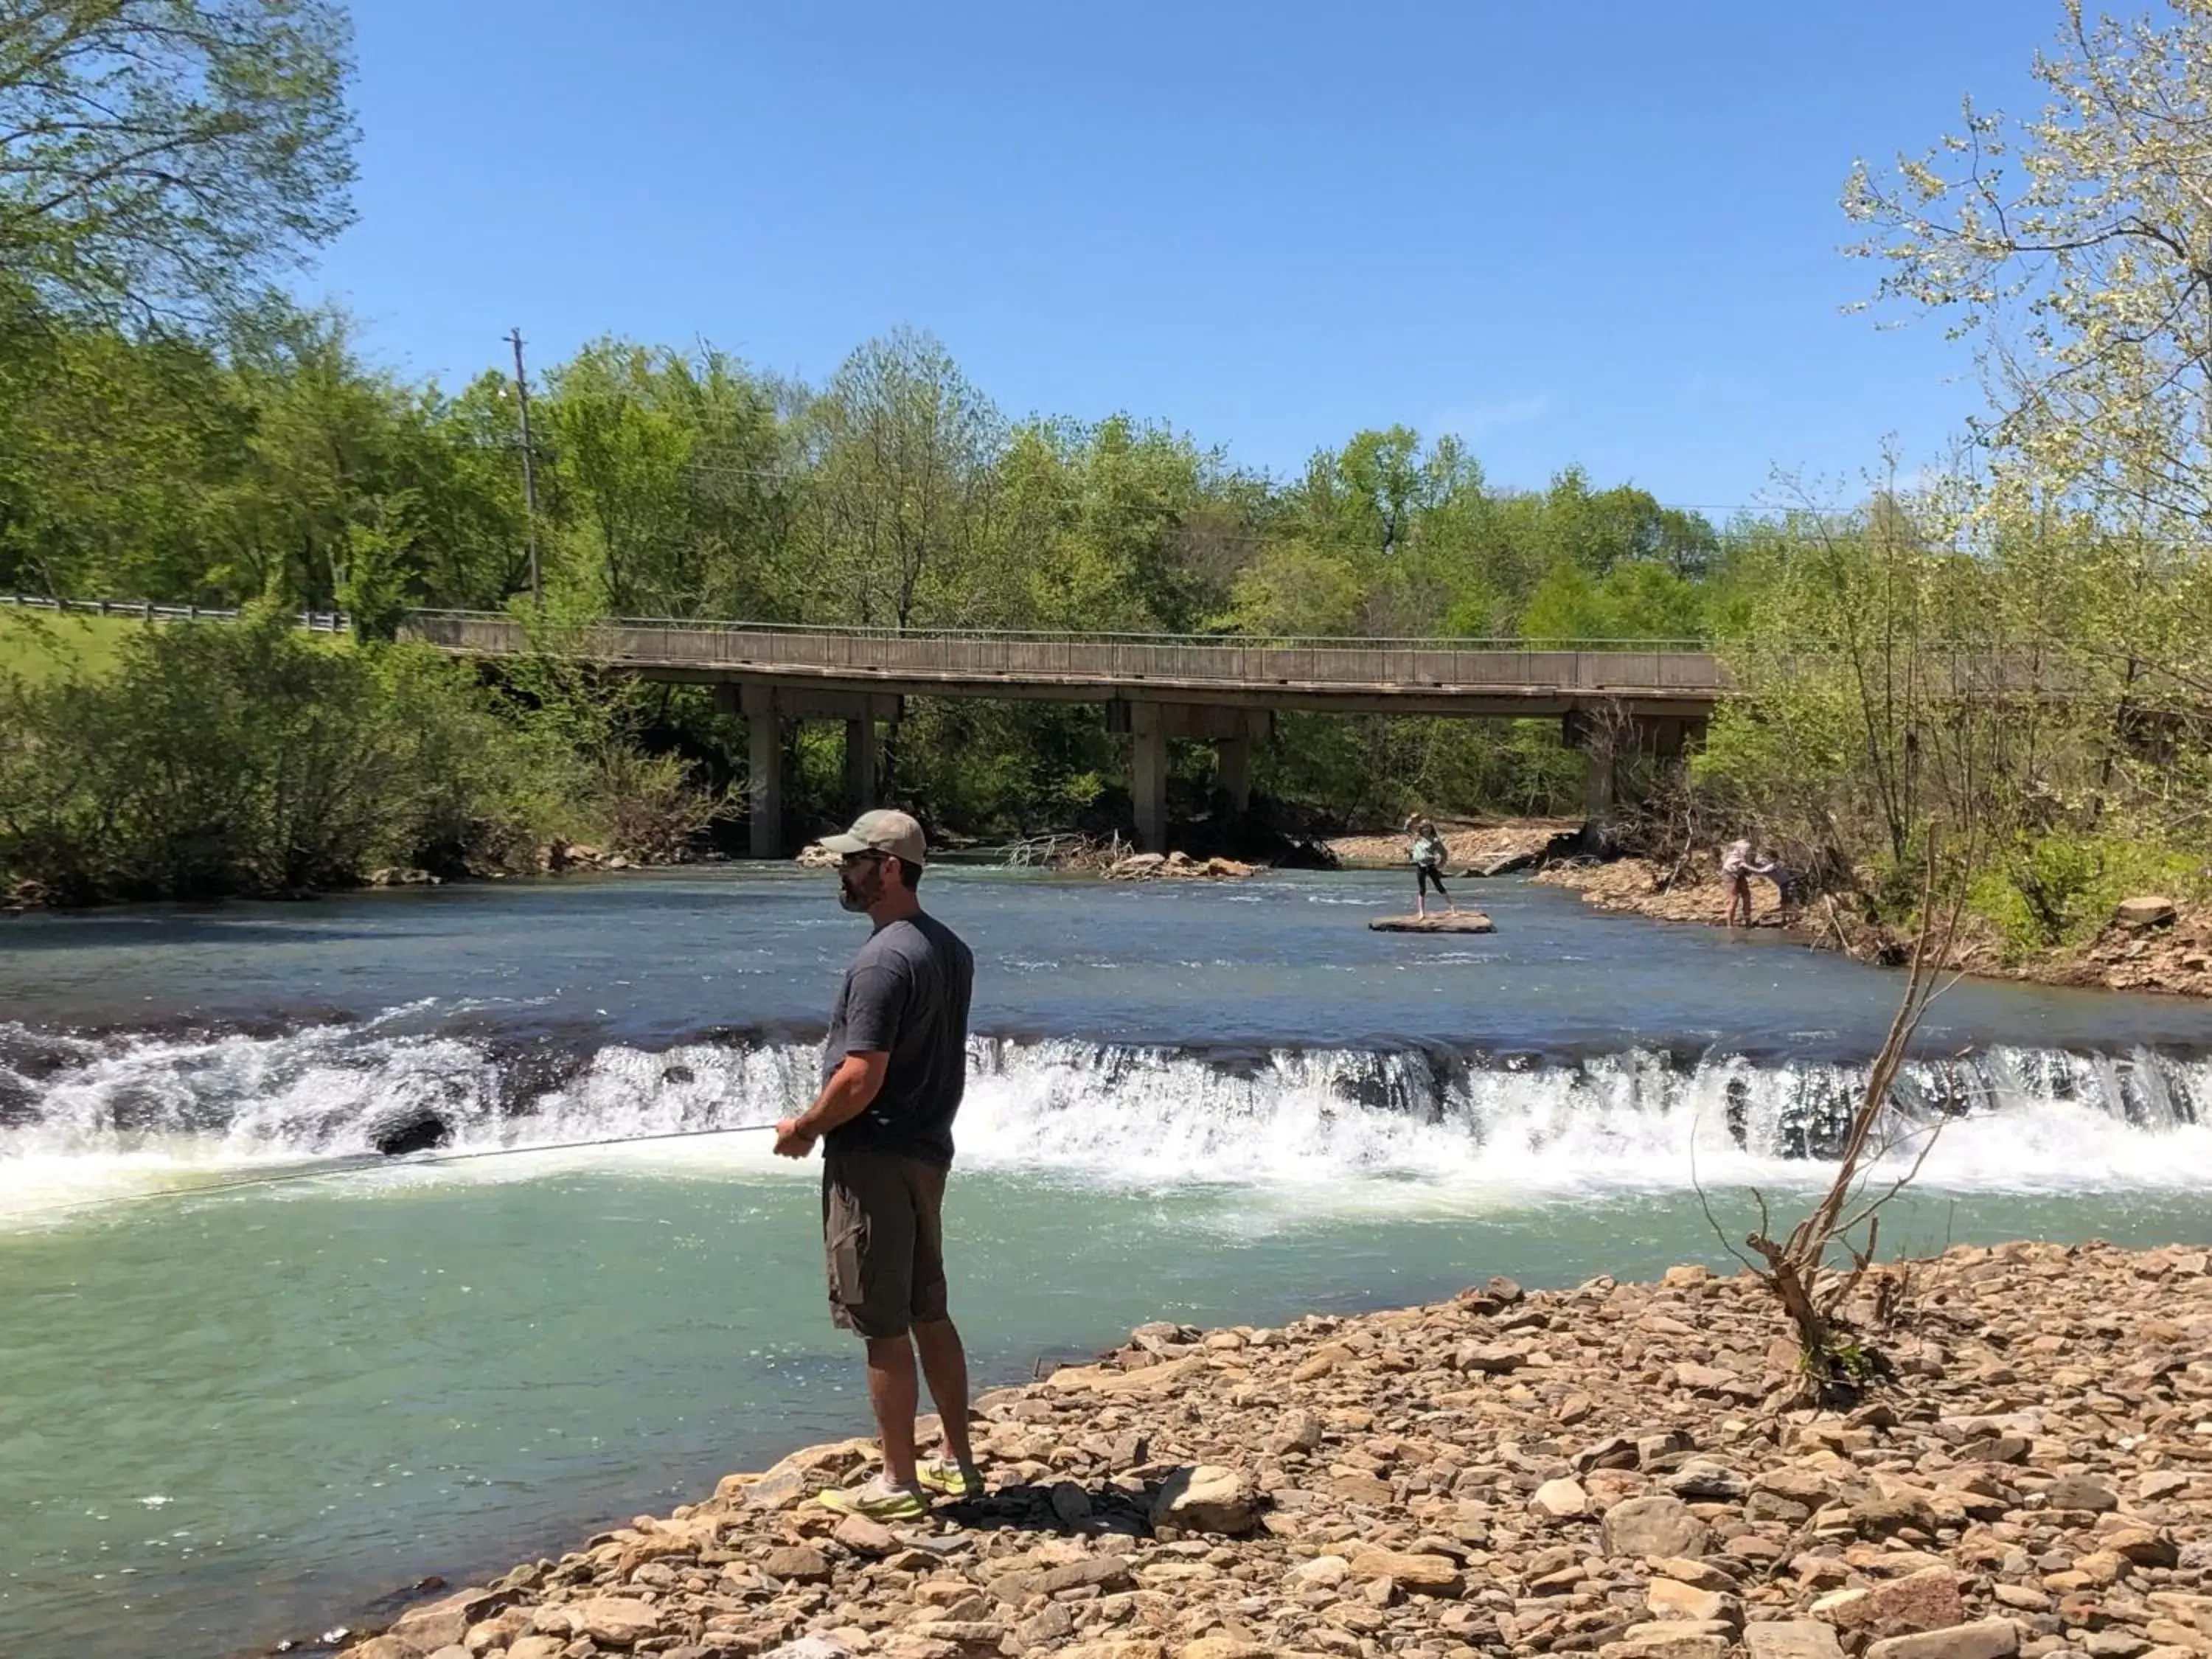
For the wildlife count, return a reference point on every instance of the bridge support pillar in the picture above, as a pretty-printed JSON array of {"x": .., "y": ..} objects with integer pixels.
[
  {"x": 1148, "y": 775},
  {"x": 1597, "y": 784},
  {"x": 1232, "y": 772},
  {"x": 860, "y": 764},
  {"x": 764, "y": 786}
]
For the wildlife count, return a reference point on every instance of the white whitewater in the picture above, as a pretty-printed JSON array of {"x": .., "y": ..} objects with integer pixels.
[{"x": 99, "y": 1116}]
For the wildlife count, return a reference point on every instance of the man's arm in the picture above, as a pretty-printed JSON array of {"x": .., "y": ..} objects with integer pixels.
[{"x": 851, "y": 1090}]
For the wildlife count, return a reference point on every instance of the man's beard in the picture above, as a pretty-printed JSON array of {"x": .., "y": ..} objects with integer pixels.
[{"x": 857, "y": 891}]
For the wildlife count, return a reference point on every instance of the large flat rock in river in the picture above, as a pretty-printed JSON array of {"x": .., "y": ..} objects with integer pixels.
[{"x": 1466, "y": 921}]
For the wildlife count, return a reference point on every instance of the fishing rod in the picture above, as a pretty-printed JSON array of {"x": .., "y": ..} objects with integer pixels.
[{"x": 363, "y": 1163}]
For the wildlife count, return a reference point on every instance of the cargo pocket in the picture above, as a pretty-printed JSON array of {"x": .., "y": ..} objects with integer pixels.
[{"x": 847, "y": 1241}]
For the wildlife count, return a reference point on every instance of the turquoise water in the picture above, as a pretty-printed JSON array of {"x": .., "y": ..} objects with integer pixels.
[{"x": 229, "y": 1420}]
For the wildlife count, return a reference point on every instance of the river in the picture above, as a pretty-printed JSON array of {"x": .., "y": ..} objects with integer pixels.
[{"x": 242, "y": 1416}]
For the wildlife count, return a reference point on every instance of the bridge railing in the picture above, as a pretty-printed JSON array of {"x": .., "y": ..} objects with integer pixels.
[
  {"x": 1127, "y": 659},
  {"x": 320, "y": 622}
]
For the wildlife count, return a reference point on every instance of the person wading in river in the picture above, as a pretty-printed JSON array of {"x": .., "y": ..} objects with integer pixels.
[
  {"x": 1740, "y": 861},
  {"x": 894, "y": 1069}
]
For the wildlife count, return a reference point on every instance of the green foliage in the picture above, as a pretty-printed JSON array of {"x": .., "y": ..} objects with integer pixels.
[
  {"x": 2050, "y": 890},
  {"x": 268, "y": 464},
  {"x": 245, "y": 759},
  {"x": 167, "y": 158}
]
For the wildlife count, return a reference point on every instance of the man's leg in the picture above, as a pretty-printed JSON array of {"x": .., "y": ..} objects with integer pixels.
[
  {"x": 944, "y": 1362},
  {"x": 868, "y": 1226},
  {"x": 892, "y": 1392}
]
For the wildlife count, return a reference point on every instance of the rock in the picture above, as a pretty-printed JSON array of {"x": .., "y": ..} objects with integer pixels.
[
  {"x": 1489, "y": 1359},
  {"x": 960, "y": 1632},
  {"x": 1322, "y": 1572},
  {"x": 1798, "y": 1485},
  {"x": 1461, "y": 922},
  {"x": 1126, "y": 1647},
  {"x": 1107, "y": 1572},
  {"x": 1297, "y": 1430},
  {"x": 1431, "y": 1575},
  {"x": 1924, "y": 1600},
  {"x": 777, "y": 1490},
  {"x": 865, "y": 1537},
  {"x": 807, "y": 1647},
  {"x": 1795, "y": 1638},
  {"x": 1638, "y": 1527},
  {"x": 1706, "y": 1379},
  {"x": 1709, "y": 1482},
  {"x": 1563, "y": 1500},
  {"x": 2195, "y": 1611},
  {"x": 2078, "y": 1491},
  {"x": 2144, "y": 1548},
  {"x": 797, "y": 1564},
  {"x": 1207, "y": 1498},
  {"x": 536, "y": 1647},
  {"x": 1666, "y": 1598},
  {"x": 1070, "y": 1505},
  {"x": 442, "y": 1623},
  {"x": 2114, "y": 1644},
  {"x": 1224, "y": 1647},
  {"x": 1885, "y": 1517},
  {"x": 1685, "y": 1646},
  {"x": 2148, "y": 911},
  {"x": 1048, "y": 1624},
  {"x": 617, "y": 1620},
  {"x": 1992, "y": 1638},
  {"x": 1703, "y": 1575}
]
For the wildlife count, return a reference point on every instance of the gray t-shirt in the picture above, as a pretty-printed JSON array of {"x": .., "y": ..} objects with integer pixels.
[{"x": 906, "y": 995}]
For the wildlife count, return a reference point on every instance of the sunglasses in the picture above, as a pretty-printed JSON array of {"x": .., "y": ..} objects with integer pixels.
[{"x": 871, "y": 857}]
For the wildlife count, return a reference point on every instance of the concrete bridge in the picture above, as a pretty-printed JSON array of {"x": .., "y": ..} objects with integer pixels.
[{"x": 1656, "y": 694}]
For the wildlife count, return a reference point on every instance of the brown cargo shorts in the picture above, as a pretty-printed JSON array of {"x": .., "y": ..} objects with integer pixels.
[{"x": 885, "y": 1243}]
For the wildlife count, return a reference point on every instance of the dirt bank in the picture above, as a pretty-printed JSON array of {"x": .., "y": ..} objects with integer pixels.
[
  {"x": 2172, "y": 957},
  {"x": 1601, "y": 1469}
]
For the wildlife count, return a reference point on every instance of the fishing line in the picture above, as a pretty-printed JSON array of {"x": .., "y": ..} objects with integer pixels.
[{"x": 363, "y": 1164}]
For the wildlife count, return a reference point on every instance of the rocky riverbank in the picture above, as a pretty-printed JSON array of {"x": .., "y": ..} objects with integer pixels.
[
  {"x": 1477, "y": 848},
  {"x": 1608, "y": 1469},
  {"x": 2155, "y": 947}
]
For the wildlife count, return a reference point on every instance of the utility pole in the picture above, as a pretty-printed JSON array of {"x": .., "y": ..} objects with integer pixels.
[{"x": 529, "y": 474}]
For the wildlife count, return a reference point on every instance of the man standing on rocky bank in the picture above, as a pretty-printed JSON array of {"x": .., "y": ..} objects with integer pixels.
[{"x": 894, "y": 1069}]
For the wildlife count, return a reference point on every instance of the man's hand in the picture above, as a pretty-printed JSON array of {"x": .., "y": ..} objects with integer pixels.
[{"x": 791, "y": 1141}]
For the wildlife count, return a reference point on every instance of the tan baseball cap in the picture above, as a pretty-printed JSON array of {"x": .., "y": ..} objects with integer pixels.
[{"x": 881, "y": 832}]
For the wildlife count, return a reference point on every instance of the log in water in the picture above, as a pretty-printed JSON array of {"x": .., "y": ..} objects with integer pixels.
[{"x": 1462, "y": 922}]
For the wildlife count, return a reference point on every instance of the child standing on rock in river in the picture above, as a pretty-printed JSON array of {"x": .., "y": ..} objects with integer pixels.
[{"x": 1429, "y": 854}]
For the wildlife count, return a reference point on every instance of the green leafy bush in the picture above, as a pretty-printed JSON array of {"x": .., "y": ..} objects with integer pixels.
[
  {"x": 254, "y": 758},
  {"x": 2050, "y": 891}
]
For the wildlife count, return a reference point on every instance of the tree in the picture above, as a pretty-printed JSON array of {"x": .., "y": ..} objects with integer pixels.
[
  {"x": 622, "y": 464},
  {"x": 160, "y": 160},
  {"x": 903, "y": 451},
  {"x": 2075, "y": 247}
]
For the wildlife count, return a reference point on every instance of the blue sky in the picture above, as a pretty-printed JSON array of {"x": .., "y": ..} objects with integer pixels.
[{"x": 1595, "y": 232}]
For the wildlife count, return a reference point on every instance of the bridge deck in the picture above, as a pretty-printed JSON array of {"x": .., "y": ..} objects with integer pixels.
[{"x": 1342, "y": 675}]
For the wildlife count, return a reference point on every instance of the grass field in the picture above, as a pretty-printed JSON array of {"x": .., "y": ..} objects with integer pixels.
[{"x": 38, "y": 646}]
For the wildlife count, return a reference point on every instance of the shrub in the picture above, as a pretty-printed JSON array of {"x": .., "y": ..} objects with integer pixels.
[
  {"x": 2043, "y": 891},
  {"x": 253, "y": 759}
]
